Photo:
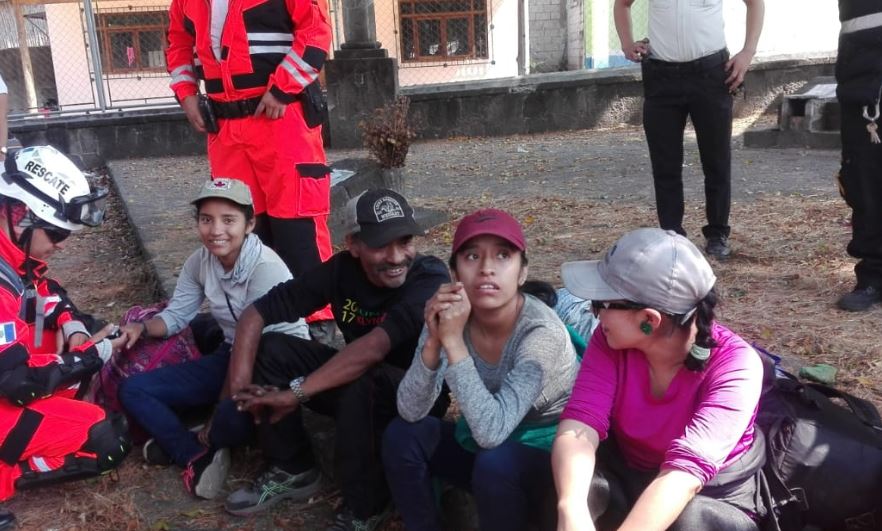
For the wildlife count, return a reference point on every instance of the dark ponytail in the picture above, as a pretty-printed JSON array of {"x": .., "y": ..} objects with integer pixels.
[
  {"x": 541, "y": 290},
  {"x": 704, "y": 319}
]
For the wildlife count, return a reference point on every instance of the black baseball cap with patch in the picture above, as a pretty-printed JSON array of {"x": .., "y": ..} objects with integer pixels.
[{"x": 379, "y": 217}]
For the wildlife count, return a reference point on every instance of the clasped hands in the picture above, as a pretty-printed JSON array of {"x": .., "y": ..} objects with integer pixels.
[
  {"x": 266, "y": 402},
  {"x": 446, "y": 315}
]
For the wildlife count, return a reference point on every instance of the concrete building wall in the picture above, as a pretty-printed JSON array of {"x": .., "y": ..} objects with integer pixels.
[
  {"x": 548, "y": 36},
  {"x": 502, "y": 39},
  {"x": 575, "y": 34},
  {"x": 76, "y": 88},
  {"x": 790, "y": 27}
]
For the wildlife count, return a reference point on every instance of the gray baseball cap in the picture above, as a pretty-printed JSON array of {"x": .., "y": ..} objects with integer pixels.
[
  {"x": 655, "y": 267},
  {"x": 225, "y": 188}
]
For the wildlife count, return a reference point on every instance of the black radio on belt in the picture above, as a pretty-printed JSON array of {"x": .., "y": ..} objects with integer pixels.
[{"x": 208, "y": 117}]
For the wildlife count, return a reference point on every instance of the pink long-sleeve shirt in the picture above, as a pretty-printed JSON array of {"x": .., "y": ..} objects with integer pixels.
[{"x": 703, "y": 422}]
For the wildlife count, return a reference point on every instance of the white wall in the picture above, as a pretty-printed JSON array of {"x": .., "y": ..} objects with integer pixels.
[
  {"x": 70, "y": 57},
  {"x": 790, "y": 27}
]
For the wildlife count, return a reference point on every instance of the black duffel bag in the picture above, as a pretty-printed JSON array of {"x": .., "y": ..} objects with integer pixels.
[{"x": 824, "y": 463}]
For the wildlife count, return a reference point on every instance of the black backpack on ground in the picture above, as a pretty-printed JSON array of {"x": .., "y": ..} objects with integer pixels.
[{"x": 824, "y": 463}]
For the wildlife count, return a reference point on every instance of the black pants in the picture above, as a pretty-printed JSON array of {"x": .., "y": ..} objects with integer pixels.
[
  {"x": 293, "y": 240},
  {"x": 731, "y": 501},
  {"x": 362, "y": 409},
  {"x": 861, "y": 179},
  {"x": 673, "y": 92}
]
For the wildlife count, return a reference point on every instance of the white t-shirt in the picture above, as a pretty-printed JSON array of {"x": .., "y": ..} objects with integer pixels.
[
  {"x": 3, "y": 89},
  {"x": 685, "y": 30}
]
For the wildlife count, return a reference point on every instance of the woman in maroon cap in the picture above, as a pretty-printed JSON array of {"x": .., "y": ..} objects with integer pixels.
[{"x": 509, "y": 362}]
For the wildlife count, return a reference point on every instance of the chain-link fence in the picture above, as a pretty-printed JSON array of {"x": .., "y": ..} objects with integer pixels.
[
  {"x": 28, "y": 71},
  {"x": 82, "y": 55},
  {"x": 438, "y": 41}
]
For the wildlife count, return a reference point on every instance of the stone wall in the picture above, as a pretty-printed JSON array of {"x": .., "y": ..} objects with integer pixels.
[
  {"x": 531, "y": 104},
  {"x": 579, "y": 100}
]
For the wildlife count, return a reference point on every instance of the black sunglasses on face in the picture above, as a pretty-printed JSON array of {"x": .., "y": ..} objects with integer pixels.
[
  {"x": 596, "y": 306},
  {"x": 56, "y": 234}
]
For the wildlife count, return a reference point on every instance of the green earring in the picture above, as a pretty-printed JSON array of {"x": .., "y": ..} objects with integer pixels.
[
  {"x": 699, "y": 353},
  {"x": 646, "y": 328}
]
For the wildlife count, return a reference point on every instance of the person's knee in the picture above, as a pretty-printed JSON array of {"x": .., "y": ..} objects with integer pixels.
[
  {"x": 227, "y": 418},
  {"x": 707, "y": 513},
  {"x": 271, "y": 351},
  {"x": 133, "y": 388},
  {"x": 401, "y": 438},
  {"x": 360, "y": 390},
  {"x": 494, "y": 468}
]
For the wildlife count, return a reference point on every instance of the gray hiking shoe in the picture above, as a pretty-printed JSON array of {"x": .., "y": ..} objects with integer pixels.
[
  {"x": 271, "y": 487},
  {"x": 346, "y": 521}
]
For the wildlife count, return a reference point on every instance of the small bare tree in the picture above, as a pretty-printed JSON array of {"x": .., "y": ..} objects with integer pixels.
[{"x": 387, "y": 133}]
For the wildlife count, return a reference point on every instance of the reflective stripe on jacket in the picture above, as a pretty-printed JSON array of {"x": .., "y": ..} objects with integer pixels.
[{"x": 276, "y": 45}]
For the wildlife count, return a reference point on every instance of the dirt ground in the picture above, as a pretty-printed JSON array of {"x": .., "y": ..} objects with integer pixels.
[{"x": 788, "y": 267}]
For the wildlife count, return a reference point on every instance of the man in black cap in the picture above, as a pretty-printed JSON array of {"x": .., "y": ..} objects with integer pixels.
[{"x": 377, "y": 290}]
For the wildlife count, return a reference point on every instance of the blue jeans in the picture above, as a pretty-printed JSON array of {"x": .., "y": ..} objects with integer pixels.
[
  {"x": 512, "y": 483},
  {"x": 152, "y": 398}
]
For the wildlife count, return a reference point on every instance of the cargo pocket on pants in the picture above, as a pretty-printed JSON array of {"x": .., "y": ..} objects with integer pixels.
[{"x": 313, "y": 189}]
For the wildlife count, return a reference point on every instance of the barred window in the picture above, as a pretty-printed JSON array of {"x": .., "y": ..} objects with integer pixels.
[
  {"x": 132, "y": 41},
  {"x": 443, "y": 30}
]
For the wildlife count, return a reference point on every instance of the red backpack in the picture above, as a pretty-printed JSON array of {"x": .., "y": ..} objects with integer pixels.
[{"x": 145, "y": 355}]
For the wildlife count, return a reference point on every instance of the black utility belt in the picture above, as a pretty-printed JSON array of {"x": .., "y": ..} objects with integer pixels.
[
  {"x": 230, "y": 110},
  {"x": 314, "y": 108}
]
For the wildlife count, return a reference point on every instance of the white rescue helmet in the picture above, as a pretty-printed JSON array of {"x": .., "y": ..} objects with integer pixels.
[{"x": 53, "y": 188}]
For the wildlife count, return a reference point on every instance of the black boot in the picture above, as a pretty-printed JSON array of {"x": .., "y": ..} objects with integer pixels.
[{"x": 860, "y": 299}]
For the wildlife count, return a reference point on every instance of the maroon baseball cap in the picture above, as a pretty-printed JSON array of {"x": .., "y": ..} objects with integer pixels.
[{"x": 489, "y": 221}]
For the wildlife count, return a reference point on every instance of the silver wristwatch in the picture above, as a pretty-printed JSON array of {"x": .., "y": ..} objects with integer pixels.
[{"x": 296, "y": 386}]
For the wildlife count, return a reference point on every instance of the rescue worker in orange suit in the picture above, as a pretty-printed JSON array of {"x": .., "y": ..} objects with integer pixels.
[
  {"x": 47, "y": 435},
  {"x": 260, "y": 62}
]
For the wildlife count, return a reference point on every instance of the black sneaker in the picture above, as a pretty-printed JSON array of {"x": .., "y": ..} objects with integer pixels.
[
  {"x": 346, "y": 521},
  {"x": 7, "y": 519},
  {"x": 154, "y": 454},
  {"x": 205, "y": 474},
  {"x": 860, "y": 299},
  {"x": 270, "y": 488},
  {"x": 718, "y": 247}
]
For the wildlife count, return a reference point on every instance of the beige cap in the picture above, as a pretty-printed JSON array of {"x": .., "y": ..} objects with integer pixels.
[{"x": 224, "y": 188}]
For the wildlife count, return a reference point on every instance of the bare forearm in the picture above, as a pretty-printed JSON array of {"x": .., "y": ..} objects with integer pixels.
[
  {"x": 241, "y": 368},
  {"x": 622, "y": 18},
  {"x": 662, "y": 501},
  {"x": 155, "y": 327},
  {"x": 572, "y": 461},
  {"x": 756, "y": 12},
  {"x": 350, "y": 363}
]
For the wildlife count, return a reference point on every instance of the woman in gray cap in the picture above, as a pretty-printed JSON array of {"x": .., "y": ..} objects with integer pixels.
[
  {"x": 671, "y": 393},
  {"x": 229, "y": 271}
]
